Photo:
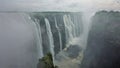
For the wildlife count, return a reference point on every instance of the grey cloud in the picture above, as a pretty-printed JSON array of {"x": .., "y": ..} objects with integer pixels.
[{"x": 44, "y": 5}]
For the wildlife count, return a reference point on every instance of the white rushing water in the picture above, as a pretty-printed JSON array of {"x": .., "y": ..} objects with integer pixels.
[
  {"x": 71, "y": 29},
  {"x": 50, "y": 36},
  {"x": 59, "y": 33},
  {"x": 68, "y": 28},
  {"x": 86, "y": 18},
  {"x": 39, "y": 38}
]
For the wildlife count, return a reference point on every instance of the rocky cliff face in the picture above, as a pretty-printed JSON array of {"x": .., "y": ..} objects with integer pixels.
[{"x": 103, "y": 47}]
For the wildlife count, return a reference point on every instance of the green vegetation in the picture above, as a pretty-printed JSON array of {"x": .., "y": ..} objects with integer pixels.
[{"x": 46, "y": 62}]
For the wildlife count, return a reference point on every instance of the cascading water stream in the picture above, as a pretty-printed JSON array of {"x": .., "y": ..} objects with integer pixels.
[
  {"x": 68, "y": 28},
  {"x": 73, "y": 26},
  {"x": 59, "y": 33},
  {"x": 78, "y": 25},
  {"x": 50, "y": 37},
  {"x": 39, "y": 38},
  {"x": 87, "y": 25}
]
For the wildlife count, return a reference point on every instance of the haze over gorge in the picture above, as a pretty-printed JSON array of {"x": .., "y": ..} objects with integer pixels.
[
  {"x": 78, "y": 33},
  {"x": 74, "y": 39}
]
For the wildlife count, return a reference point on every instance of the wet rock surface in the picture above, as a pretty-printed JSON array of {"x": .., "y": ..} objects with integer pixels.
[{"x": 103, "y": 48}]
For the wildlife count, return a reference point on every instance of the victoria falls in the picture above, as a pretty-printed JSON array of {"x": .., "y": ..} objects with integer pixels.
[{"x": 71, "y": 39}]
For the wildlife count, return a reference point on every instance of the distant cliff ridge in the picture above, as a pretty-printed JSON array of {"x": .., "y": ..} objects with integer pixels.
[{"x": 103, "y": 47}]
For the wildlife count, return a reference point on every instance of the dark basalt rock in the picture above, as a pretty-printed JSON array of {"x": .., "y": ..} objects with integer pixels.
[{"x": 103, "y": 49}]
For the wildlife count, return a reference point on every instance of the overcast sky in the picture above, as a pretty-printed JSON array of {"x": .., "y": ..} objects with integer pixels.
[{"x": 62, "y": 5}]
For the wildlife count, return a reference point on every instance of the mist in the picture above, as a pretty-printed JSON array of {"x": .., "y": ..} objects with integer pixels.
[
  {"x": 16, "y": 41},
  {"x": 24, "y": 37}
]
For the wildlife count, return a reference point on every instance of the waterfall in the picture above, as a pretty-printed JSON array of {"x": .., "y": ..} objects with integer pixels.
[
  {"x": 70, "y": 28},
  {"x": 87, "y": 25},
  {"x": 76, "y": 20},
  {"x": 39, "y": 38},
  {"x": 59, "y": 33},
  {"x": 73, "y": 26},
  {"x": 50, "y": 36}
]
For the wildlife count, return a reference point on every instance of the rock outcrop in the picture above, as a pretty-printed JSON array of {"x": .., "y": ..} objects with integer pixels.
[{"x": 103, "y": 48}]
